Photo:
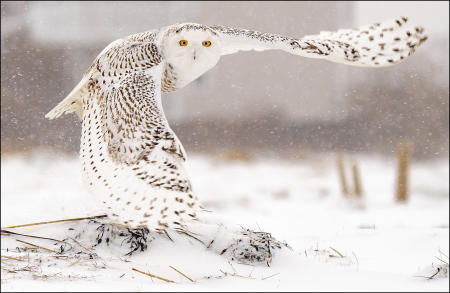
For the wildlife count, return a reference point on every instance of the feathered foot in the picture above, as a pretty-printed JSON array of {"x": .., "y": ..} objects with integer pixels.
[
  {"x": 253, "y": 247},
  {"x": 240, "y": 245},
  {"x": 137, "y": 239}
]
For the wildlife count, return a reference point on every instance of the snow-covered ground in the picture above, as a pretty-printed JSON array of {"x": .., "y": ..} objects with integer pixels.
[{"x": 337, "y": 244}]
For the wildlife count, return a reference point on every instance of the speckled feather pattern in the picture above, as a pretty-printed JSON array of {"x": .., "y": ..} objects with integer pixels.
[
  {"x": 131, "y": 158},
  {"x": 132, "y": 161},
  {"x": 380, "y": 44}
]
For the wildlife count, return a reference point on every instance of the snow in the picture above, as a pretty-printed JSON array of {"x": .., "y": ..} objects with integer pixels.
[{"x": 386, "y": 245}]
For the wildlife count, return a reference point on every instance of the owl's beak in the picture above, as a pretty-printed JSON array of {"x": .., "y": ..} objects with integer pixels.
[{"x": 195, "y": 55}]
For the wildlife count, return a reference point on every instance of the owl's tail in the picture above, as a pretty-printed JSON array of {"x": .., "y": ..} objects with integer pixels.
[
  {"x": 72, "y": 103},
  {"x": 377, "y": 45}
]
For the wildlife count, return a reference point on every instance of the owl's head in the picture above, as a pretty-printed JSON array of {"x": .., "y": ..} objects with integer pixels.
[{"x": 191, "y": 48}]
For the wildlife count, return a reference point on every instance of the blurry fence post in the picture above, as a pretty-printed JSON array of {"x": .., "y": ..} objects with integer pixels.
[
  {"x": 356, "y": 180},
  {"x": 340, "y": 165},
  {"x": 403, "y": 157}
]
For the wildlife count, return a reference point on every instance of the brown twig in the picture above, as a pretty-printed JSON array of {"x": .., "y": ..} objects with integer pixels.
[
  {"x": 57, "y": 221},
  {"x": 181, "y": 274},
  {"x": 37, "y": 246},
  {"x": 153, "y": 276}
]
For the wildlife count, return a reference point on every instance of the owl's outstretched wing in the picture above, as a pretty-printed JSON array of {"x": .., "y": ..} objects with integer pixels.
[
  {"x": 136, "y": 126},
  {"x": 380, "y": 44}
]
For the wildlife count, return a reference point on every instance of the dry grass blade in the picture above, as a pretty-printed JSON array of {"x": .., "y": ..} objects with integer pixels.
[
  {"x": 270, "y": 276},
  {"x": 433, "y": 275},
  {"x": 79, "y": 244},
  {"x": 340, "y": 254},
  {"x": 5, "y": 263},
  {"x": 443, "y": 253},
  {"x": 38, "y": 237},
  {"x": 61, "y": 256},
  {"x": 37, "y": 246},
  {"x": 57, "y": 221},
  {"x": 236, "y": 275},
  {"x": 441, "y": 260},
  {"x": 10, "y": 257},
  {"x": 181, "y": 274},
  {"x": 153, "y": 276},
  {"x": 75, "y": 262},
  {"x": 117, "y": 224}
]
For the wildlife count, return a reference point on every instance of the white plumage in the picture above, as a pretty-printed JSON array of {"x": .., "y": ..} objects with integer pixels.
[{"x": 133, "y": 161}]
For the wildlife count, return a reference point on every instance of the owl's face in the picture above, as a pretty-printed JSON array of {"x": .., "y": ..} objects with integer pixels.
[{"x": 191, "y": 51}]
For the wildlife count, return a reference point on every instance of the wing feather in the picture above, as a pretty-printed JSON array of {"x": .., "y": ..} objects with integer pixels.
[
  {"x": 134, "y": 119},
  {"x": 380, "y": 44}
]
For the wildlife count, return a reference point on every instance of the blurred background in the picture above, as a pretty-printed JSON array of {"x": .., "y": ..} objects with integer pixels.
[
  {"x": 251, "y": 104},
  {"x": 320, "y": 154}
]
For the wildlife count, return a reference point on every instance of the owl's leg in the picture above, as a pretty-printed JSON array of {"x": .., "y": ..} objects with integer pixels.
[{"x": 241, "y": 245}]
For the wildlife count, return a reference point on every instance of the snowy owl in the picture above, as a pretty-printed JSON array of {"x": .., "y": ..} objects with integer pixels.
[{"x": 132, "y": 161}]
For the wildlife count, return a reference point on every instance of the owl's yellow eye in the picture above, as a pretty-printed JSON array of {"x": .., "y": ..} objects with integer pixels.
[
  {"x": 183, "y": 43},
  {"x": 206, "y": 43}
]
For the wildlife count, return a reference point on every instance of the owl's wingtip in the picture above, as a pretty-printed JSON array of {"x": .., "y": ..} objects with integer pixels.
[{"x": 52, "y": 114}]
